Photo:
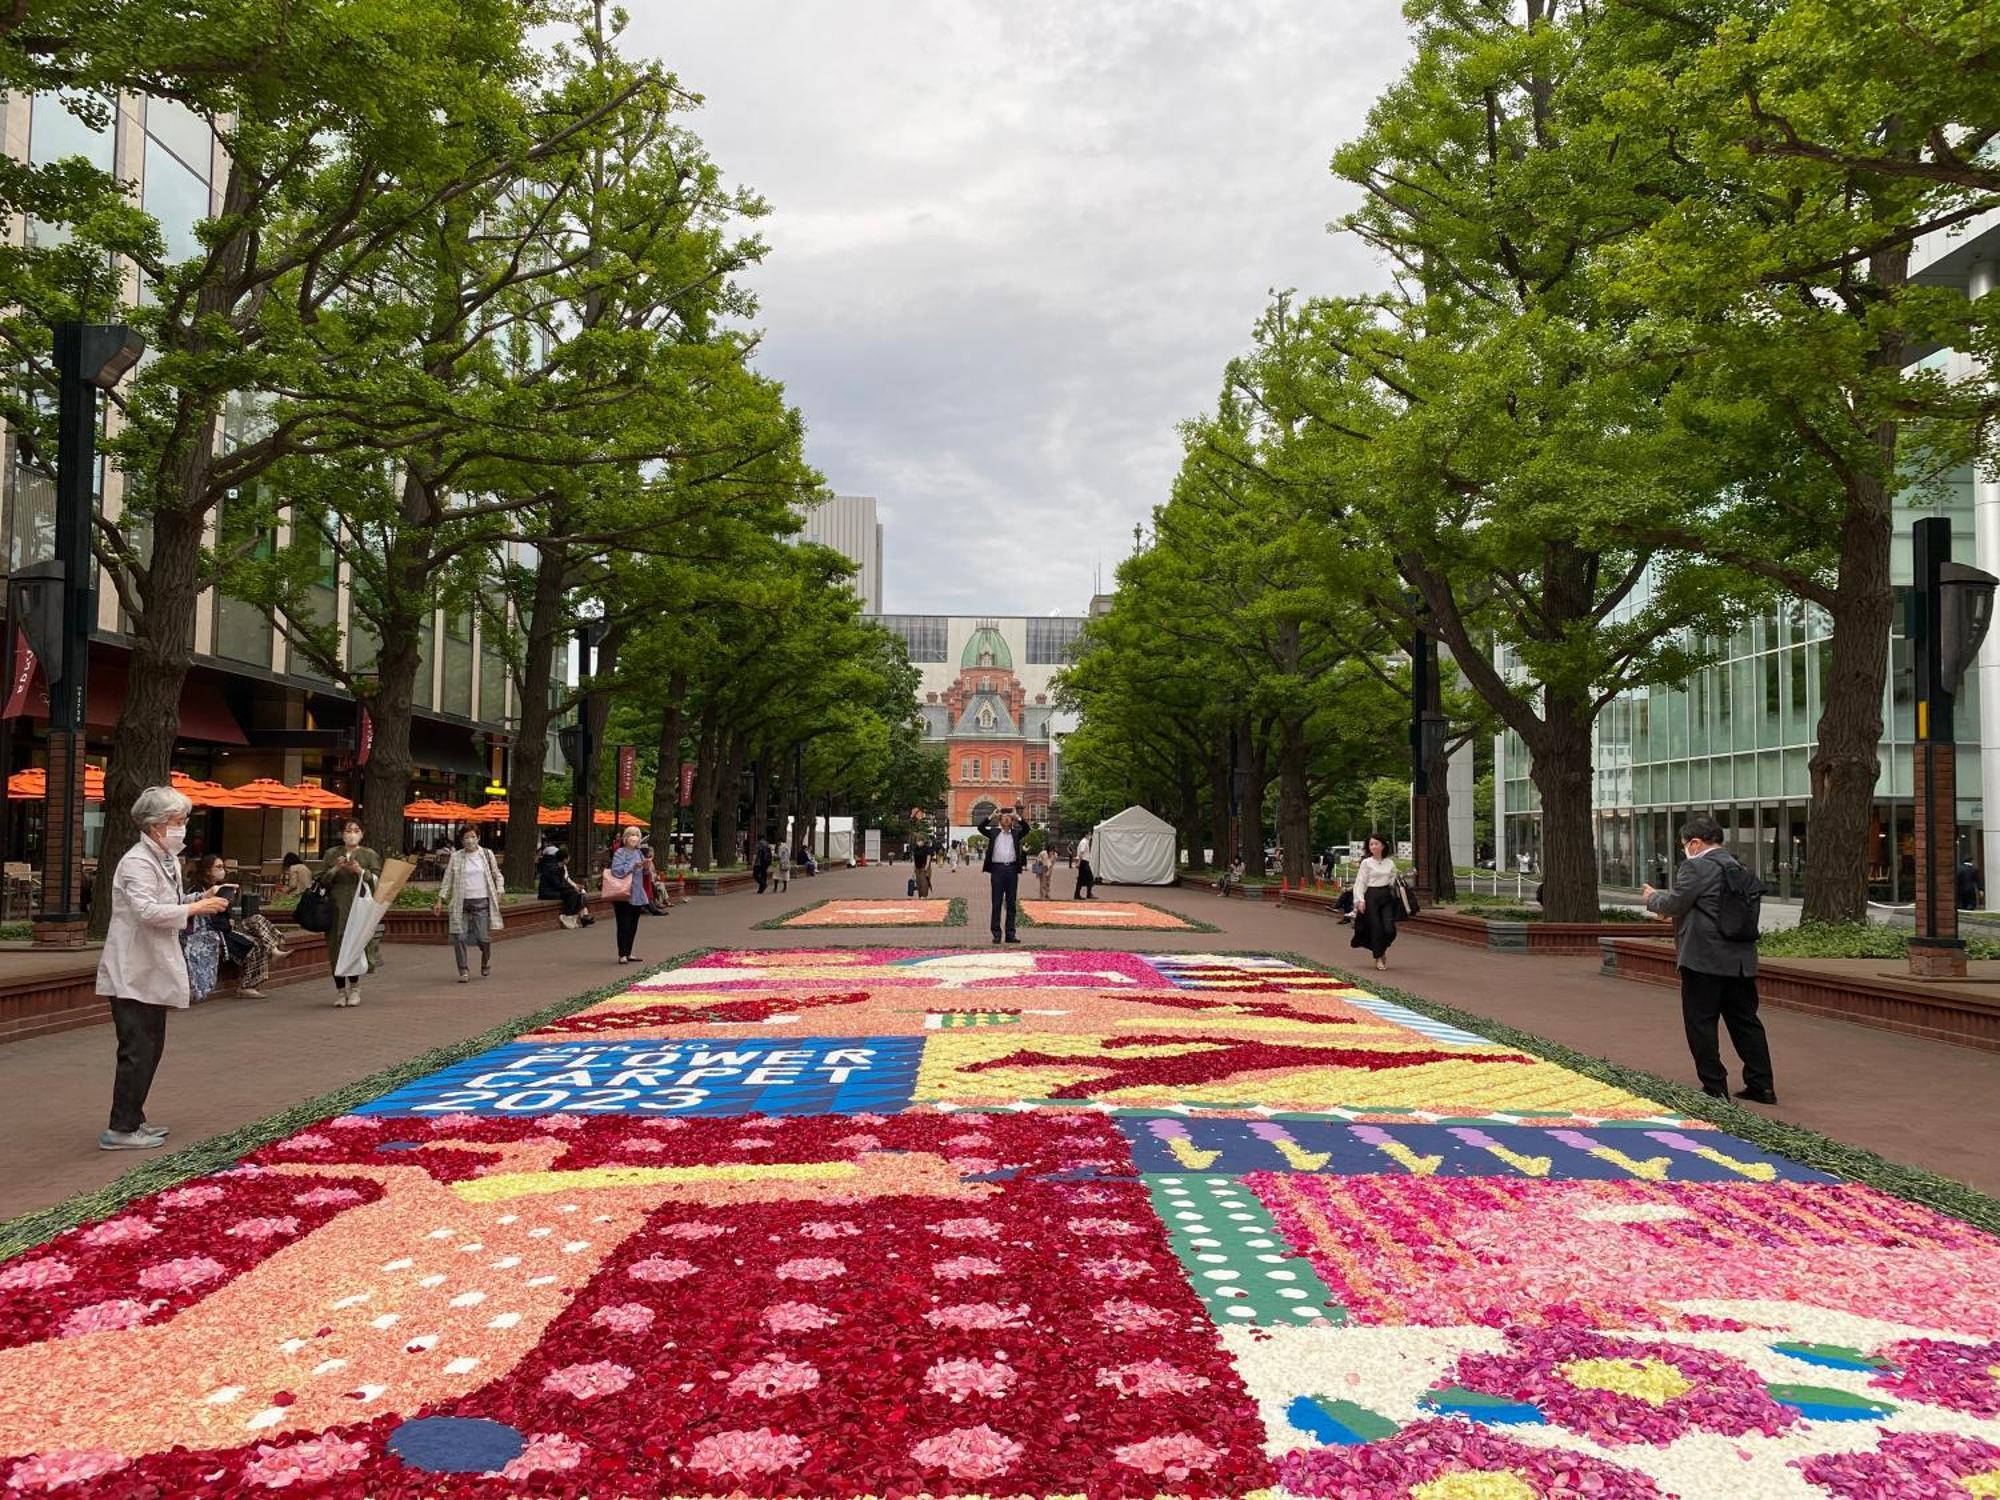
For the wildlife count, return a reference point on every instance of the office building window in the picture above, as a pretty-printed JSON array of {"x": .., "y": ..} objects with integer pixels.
[
  {"x": 924, "y": 635},
  {"x": 1002, "y": 768},
  {"x": 1053, "y": 641},
  {"x": 177, "y": 197},
  {"x": 969, "y": 770}
]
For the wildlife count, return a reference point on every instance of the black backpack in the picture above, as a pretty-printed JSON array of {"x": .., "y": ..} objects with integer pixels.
[{"x": 1739, "y": 904}]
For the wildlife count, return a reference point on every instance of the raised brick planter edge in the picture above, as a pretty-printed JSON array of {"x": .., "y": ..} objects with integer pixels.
[{"x": 1911, "y": 1008}]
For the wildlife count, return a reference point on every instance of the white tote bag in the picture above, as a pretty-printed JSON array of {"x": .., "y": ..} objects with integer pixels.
[{"x": 364, "y": 918}]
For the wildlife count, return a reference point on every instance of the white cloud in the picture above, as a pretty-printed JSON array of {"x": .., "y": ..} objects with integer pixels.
[{"x": 1013, "y": 244}]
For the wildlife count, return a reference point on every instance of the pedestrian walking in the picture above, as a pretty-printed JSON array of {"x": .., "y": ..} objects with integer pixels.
[
  {"x": 1378, "y": 901},
  {"x": 1045, "y": 870},
  {"x": 553, "y": 882},
  {"x": 631, "y": 864},
  {"x": 1003, "y": 864},
  {"x": 784, "y": 866},
  {"x": 1969, "y": 886},
  {"x": 1086, "y": 878},
  {"x": 1715, "y": 905},
  {"x": 251, "y": 943},
  {"x": 471, "y": 895},
  {"x": 142, "y": 971},
  {"x": 921, "y": 854},
  {"x": 343, "y": 870},
  {"x": 760, "y": 864}
]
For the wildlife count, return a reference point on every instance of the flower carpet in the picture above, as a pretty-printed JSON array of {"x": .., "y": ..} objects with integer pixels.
[
  {"x": 942, "y": 911},
  {"x": 1108, "y": 916},
  {"x": 846, "y": 1222}
]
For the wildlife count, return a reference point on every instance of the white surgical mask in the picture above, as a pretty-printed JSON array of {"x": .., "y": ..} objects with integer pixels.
[
  {"x": 350, "y": 838},
  {"x": 174, "y": 839},
  {"x": 472, "y": 843}
]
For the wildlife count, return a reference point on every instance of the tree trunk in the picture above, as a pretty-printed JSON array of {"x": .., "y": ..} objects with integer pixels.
[
  {"x": 667, "y": 782},
  {"x": 1562, "y": 774},
  {"x": 390, "y": 764},
  {"x": 1218, "y": 798},
  {"x": 531, "y": 737},
  {"x": 1250, "y": 814},
  {"x": 758, "y": 825},
  {"x": 1190, "y": 818},
  {"x": 703, "y": 809},
  {"x": 142, "y": 744},
  {"x": 1845, "y": 765},
  {"x": 1444, "y": 881},
  {"x": 1294, "y": 818},
  {"x": 729, "y": 800}
]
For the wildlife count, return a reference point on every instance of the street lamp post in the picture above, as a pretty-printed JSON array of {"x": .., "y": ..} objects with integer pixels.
[
  {"x": 1427, "y": 734},
  {"x": 1951, "y": 606},
  {"x": 90, "y": 357},
  {"x": 579, "y": 747}
]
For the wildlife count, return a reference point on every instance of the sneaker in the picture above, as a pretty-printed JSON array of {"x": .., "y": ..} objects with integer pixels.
[
  {"x": 464, "y": 977},
  {"x": 132, "y": 1140},
  {"x": 486, "y": 971},
  {"x": 243, "y": 993},
  {"x": 147, "y": 1127},
  {"x": 568, "y": 921}
]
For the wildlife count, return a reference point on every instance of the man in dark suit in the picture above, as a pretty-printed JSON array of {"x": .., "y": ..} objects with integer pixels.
[
  {"x": 1718, "y": 974},
  {"x": 1003, "y": 862}
]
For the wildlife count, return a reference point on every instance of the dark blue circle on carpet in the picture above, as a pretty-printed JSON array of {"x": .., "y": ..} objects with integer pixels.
[
  {"x": 456, "y": 1445},
  {"x": 401, "y": 1146}
]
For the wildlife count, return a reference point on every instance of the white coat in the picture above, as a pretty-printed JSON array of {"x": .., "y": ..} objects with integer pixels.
[
  {"x": 452, "y": 891},
  {"x": 142, "y": 958}
]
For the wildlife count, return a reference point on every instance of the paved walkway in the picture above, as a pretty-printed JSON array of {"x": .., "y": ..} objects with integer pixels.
[{"x": 234, "y": 1061}]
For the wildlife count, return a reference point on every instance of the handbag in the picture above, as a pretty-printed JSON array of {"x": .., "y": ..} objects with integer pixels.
[
  {"x": 615, "y": 887},
  {"x": 314, "y": 913},
  {"x": 203, "y": 947},
  {"x": 1407, "y": 894}
]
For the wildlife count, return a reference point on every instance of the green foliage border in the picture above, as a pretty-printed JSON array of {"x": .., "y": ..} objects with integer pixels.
[
  {"x": 1853, "y": 1163},
  {"x": 160, "y": 1172},
  {"x": 955, "y": 916},
  {"x": 1194, "y": 924}
]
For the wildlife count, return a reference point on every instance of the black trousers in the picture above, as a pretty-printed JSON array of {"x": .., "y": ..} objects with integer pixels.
[
  {"x": 1006, "y": 891},
  {"x": 1086, "y": 882},
  {"x": 1732, "y": 999},
  {"x": 763, "y": 878},
  {"x": 627, "y": 916},
  {"x": 142, "y": 1038}
]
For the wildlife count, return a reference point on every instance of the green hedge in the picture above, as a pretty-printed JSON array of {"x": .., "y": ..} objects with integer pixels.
[{"x": 1854, "y": 940}]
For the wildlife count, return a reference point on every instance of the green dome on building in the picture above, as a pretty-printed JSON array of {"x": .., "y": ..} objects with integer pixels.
[{"x": 986, "y": 648}]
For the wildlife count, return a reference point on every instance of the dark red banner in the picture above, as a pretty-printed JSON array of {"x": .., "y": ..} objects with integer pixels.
[
  {"x": 687, "y": 784},
  {"x": 626, "y": 760}
]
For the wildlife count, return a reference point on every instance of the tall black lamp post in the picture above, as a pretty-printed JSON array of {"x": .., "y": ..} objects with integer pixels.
[
  {"x": 59, "y": 601},
  {"x": 1951, "y": 606}
]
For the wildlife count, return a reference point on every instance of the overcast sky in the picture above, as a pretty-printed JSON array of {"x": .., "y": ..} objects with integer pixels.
[{"x": 1013, "y": 244}]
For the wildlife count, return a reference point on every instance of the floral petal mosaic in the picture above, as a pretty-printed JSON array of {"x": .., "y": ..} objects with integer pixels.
[{"x": 888, "y": 1221}]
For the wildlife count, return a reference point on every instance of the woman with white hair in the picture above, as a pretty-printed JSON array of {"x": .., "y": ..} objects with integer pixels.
[{"x": 143, "y": 971}]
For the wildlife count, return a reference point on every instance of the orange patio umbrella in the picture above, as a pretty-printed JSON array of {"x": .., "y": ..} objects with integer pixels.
[
  {"x": 553, "y": 817},
  {"x": 266, "y": 791},
  {"x": 323, "y": 800},
  {"x": 32, "y": 784},
  {"x": 492, "y": 811}
]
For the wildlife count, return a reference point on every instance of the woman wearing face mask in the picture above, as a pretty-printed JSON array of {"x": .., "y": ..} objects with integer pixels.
[
  {"x": 142, "y": 971},
  {"x": 251, "y": 941},
  {"x": 472, "y": 892},
  {"x": 630, "y": 862},
  {"x": 343, "y": 870}
]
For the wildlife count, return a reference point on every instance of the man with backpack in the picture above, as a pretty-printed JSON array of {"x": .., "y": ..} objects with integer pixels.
[{"x": 1715, "y": 905}]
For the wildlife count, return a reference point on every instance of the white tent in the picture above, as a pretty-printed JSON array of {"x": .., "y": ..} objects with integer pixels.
[
  {"x": 1136, "y": 848},
  {"x": 841, "y": 851}
]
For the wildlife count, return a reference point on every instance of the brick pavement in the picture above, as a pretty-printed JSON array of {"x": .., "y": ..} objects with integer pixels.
[{"x": 234, "y": 1061}]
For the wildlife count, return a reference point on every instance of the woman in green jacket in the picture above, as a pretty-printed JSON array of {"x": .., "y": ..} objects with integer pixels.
[{"x": 342, "y": 870}]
